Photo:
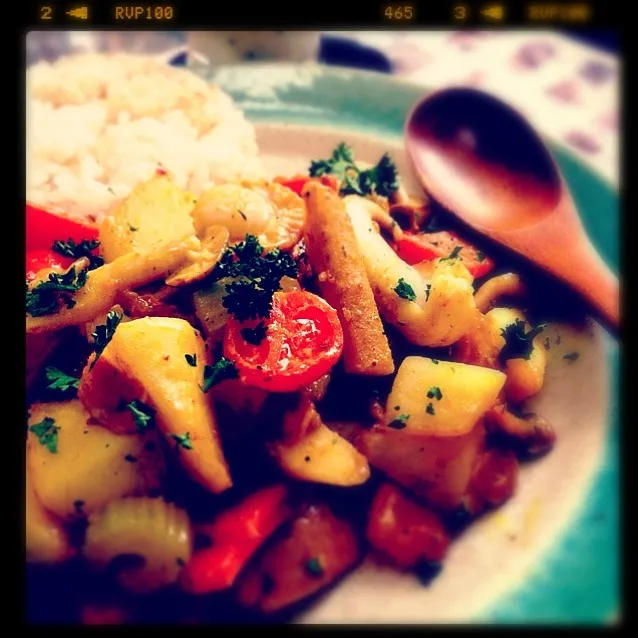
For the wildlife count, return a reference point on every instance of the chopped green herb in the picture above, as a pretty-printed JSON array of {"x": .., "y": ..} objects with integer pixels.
[
  {"x": 430, "y": 409},
  {"x": 404, "y": 290},
  {"x": 133, "y": 229},
  {"x": 382, "y": 179},
  {"x": 130, "y": 458},
  {"x": 83, "y": 249},
  {"x": 435, "y": 361},
  {"x": 47, "y": 433},
  {"x": 45, "y": 298},
  {"x": 191, "y": 359},
  {"x": 572, "y": 356},
  {"x": 110, "y": 190},
  {"x": 221, "y": 371},
  {"x": 242, "y": 214},
  {"x": 182, "y": 440},
  {"x": 435, "y": 393},
  {"x": 400, "y": 422},
  {"x": 480, "y": 256},
  {"x": 454, "y": 254},
  {"x": 143, "y": 415},
  {"x": 104, "y": 333},
  {"x": 518, "y": 343},
  {"x": 257, "y": 276},
  {"x": 255, "y": 335},
  {"x": 59, "y": 380},
  {"x": 314, "y": 568},
  {"x": 334, "y": 440},
  {"x": 428, "y": 287}
]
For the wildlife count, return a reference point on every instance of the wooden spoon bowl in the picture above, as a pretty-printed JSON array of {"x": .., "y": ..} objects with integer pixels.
[{"x": 481, "y": 160}]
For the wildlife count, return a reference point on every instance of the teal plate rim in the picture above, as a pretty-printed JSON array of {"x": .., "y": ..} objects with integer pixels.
[{"x": 578, "y": 579}]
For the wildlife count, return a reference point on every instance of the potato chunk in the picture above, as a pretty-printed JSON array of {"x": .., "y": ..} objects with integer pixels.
[
  {"x": 322, "y": 456},
  {"x": 147, "y": 357},
  {"x": 436, "y": 468},
  {"x": 441, "y": 398},
  {"x": 318, "y": 548},
  {"x": 155, "y": 213},
  {"x": 88, "y": 466},
  {"x": 46, "y": 538}
]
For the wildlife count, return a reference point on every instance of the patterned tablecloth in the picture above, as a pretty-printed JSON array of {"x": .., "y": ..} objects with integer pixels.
[{"x": 568, "y": 90}]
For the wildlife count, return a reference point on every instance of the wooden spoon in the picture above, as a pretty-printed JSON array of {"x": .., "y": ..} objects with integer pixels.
[{"x": 483, "y": 161}]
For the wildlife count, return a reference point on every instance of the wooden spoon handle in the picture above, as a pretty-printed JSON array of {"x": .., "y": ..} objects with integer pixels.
[{"x": 596, "y": 283}]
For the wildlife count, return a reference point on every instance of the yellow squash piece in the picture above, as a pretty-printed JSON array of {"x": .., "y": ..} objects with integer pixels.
[
  {"x": 148, "y": 358},
  {"x": 154, "y": 214},
  {"x": 88, "y": 466},
  {"x": 47, "y": 540}
]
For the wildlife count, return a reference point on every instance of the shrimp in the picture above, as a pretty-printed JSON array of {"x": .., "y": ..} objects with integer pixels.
[{"x": 270, "y": 211}]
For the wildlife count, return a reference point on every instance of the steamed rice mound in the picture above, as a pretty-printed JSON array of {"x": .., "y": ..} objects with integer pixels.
[{"x": 98, "y": 125}]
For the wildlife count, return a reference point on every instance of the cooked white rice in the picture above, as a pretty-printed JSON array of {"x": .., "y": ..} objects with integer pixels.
[{"x": 98, "y": 125}]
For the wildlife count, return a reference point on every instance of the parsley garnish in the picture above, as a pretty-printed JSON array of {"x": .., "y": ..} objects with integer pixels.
[
  {"x": 182, "y": 440},
  {"x": 83, "y": 249},
  {"x": 454, "y": 254},
  {"x": 382, "y": 179},
  {"x": 257, "y": 277},
  {"x": 59, "y": 380},
  {"x": 572, "y": 356},
  {"x": 314, "y": 568},
  {"x": 518, "y": 343},
  {"x": 430, "y": 409},
  {"x": 399, "y": 423},
  {"x": 47, "y": 433},
  {"x": 133, "y": 229},
  {"x": 45, "y": 298},
  {"x": 435, "y": 361},
  {"x": 143, "y": 415},
  {"x": 404, "y": 290},
  {"x": 191, "y": 359},
  {"x": 255, "y": 335},
  {"x": 221, "y": 371},
  {"x": 104, "y": 333},
  {"x": 435, "y": 393},
  {"x": 428, "y": 287}
]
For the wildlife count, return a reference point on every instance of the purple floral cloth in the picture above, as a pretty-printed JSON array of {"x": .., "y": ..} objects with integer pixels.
[{"x": 568, "y": 90}]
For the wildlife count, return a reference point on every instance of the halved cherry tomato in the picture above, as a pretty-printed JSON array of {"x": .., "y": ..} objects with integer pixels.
[
  {"x": 38, "y": 260},
  {"x": 304, "y": 339},
  {"x": 45, "y": 226},
  {"x": 297, "y": 182},
  {"x": 414, "y": 248}
]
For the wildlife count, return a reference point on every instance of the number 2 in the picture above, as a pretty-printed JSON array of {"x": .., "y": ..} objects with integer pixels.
[{"x": 45, "y": 13}]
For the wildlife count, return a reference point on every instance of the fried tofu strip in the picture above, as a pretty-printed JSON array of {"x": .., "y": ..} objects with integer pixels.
[{"x": 334, "y": 255}]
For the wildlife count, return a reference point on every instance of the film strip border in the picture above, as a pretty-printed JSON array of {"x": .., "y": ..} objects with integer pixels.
[{"x": 196, "y": 14}]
